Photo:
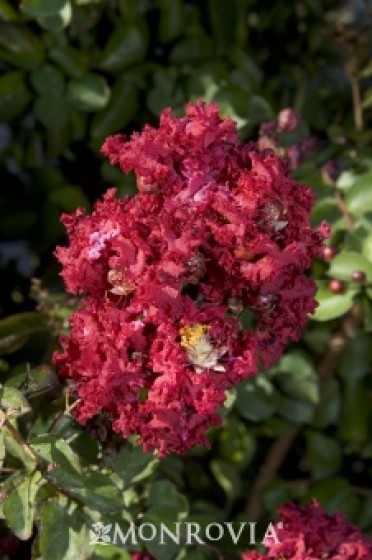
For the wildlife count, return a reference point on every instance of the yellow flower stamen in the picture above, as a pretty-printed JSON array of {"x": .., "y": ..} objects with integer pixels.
[{"x": 191, "y": 335}]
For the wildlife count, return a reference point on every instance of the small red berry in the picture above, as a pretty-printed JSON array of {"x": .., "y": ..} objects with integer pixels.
[
  {"x": 336, "y": 286},
  {"x": 329, "y": 252},
  {"x": 288, "y": 120},
  {"x": 358, "y": 276}
]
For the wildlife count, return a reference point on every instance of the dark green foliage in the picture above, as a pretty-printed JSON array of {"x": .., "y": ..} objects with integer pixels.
[{"x": 75, "y": 71}]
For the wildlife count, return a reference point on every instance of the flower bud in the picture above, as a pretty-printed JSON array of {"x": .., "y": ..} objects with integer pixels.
[{"x": 288, "y": 120}]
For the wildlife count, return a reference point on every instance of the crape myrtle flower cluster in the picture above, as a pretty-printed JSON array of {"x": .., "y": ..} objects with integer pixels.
[
  {"x": 309, "y": 533},
  {"x": 218, "y": 230}
]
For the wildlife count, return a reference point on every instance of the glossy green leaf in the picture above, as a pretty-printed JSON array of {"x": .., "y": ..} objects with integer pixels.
[
  {"x": 328, "y": 410},
  {"x": 13, "y": 401},
  {"x": 235, "y": 444},
  {"x": 19, "y": 506},
  {"x": 51, "y": 111},
  {"x": 197, "y": 47},
  {"x": 297, "y": 377},
  {"x": 132, "y": 464},
  {"x": 355, "y": 412},
  {"x": 298, "y": 411},
  {"x": 59, "y": 21},
  {"x": 72, "y": 61},
  {"x": 21, "y": 47},
  {"x": 39, "y": 8},
  {"x": 334, "y": 494},
  {"x": 48, "y": 80},
  {"x": 356, "y": 359},
  {"x": 227, "y": 477},
  {"x": 64, "y": 534},
  {"x": 125, "y": 47},
  {"x": 367, "y": 247},
  {"x": 89, "y": 93},
  {"x": 255, "y": 399},
  {"x": 223, "y": 17},
  {"x": 118, "y": 112},
  {"x": 172, "y": 19},
  {"x": 359, "y": 196},
  {"x": 347, "y": 262},
  {"x": 16, "y": 447},
  {"x": 17, "y": 329},
  {"x": 324, "y": 454},
  {"x": 14, "y": 96},
  {"x": 332, "y": 305},
  {"x": 7, "y": 12}
]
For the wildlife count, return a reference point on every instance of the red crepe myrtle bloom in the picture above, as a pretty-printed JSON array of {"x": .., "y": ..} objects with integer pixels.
[
  {"x": 216, "y": 229},
  {"x": 309, "y": 533}
]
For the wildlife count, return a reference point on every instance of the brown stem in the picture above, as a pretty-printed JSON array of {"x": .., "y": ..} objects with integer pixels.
[
  {"x": 357, "y": 103},
  {"x": 343, "y": 208},
  {"x": 281, "y": 446},
  {"x": 274, "y": 459}
]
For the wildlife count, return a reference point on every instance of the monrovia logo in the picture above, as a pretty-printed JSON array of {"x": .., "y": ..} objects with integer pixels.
[{"x": 182, "y": 532}]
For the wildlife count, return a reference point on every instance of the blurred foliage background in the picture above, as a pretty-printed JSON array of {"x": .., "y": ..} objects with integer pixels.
[{"x": 75, "y": 71}]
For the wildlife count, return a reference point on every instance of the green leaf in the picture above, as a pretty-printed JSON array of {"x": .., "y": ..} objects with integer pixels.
[
  {"x": 14, "y": 96},
  {"x": 17, "y": 448},
  {"x": 367, "y": 247},
  {"x": 235, "y": 444},
  {"x": 355, "y": 361},
  {"x": 163, "y": 494},
  {"x": 132, "y": 464},
  {"x": 232, "y": 101},
  {"x": 64, "y": 468},
  {"x": 332, "y": 305},
  {"x": 72, "y": 61},
  {"x": 64, "y": 534},
  {"x": 17, "y": 329},
  {"x": 19, "y": 506},
  {"x": 69, "y": 198},
  {"x": 355, "y": 412},
  {"x": 125, "y": 47},
  {"x": 359, "y": 197},
  {"x": 298, "y": 411},
  {"x": 59, "y": 21},
  {"x": 39, "y": 8},
  {"x": 99, "y": 492},
  {"x": 110, "y": 552},
  {"x": 297, "y": 377},
  {"x": 223, "y": 17},
  {"x": 259, "y": 110},
  {"x": 7, "y": 13},
  {"x": 227, "y": 477},
  {"x": 13, "y": 401},
  {"x": 48, "y": 80},
  {"x": 22, "y": 48},
  {"x": 324, "y": 454},
  {"x": 334, "y": 495},
  {"x": 194, "y": 48},
  {"x": 89, "y": 93},
  {"x": 51, "y": 110},
  {"x": 255, "y": 399},
  {"x": 122, "y": 106},
  {"x": 172, "y": 19},
  {"x": 275, "y": 494},
  {"x": 344, "y": 264},
  {"x": 328, "y": 410}
]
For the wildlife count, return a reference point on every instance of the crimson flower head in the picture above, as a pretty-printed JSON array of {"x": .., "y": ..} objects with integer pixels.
[
  {"x": 189, "y": 285},
  {"x": 309, "y": 533}
]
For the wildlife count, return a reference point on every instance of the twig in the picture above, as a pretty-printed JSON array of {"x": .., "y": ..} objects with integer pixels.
[
  {"x": 274, "y": 459},
  {"x": 357, "y": 103}
]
